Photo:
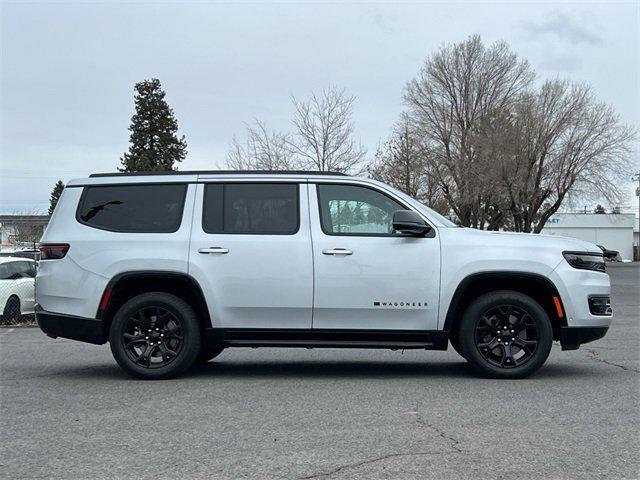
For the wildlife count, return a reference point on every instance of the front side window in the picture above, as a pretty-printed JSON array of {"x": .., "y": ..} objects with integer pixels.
[
  {"x": 251, "y": 208},
  {"x": 355, "y": 210},
  {"x": 148, "y": 208}
]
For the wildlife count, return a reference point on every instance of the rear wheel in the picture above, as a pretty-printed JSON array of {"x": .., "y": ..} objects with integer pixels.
[
  {"x": 505, "y": 334},
  {"x": 11, "y": 311},
  {"x": 155, "y": 336}
]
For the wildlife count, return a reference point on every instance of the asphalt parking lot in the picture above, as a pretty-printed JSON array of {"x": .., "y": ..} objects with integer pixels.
[{"x": 67, "y": 411}]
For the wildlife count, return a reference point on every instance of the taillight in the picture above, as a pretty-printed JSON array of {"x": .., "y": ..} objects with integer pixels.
[
  {"x": 104, "y": 301},
  {"x": 53, "y": 251}
]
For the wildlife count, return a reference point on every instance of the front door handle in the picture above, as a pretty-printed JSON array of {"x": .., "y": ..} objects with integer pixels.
[
  {"x": 213, "y": 250},
  {"x": 337, "y": 251}
]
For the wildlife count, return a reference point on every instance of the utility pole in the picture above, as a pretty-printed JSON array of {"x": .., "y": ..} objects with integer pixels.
[
  {"x": 637, "y": 247},
  {"x": 637, "y": 177}
]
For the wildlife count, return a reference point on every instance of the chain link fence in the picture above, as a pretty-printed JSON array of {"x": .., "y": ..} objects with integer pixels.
[
  {"x": 17, "y": 286},
  {"x": 20, "y": 234}
]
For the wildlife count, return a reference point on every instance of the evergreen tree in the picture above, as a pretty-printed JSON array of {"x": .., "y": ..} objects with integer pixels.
[
  {"x": 153, "y": 143},
  {"x": 358, "y": 217},
  {"x": 345, "y": 217},
  {"x": 55, "y": 196}
]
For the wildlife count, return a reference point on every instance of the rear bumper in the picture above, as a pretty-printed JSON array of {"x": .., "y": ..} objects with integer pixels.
[
  {"x": 572, "y": 337},
  {"x": 83, "y": 329}
]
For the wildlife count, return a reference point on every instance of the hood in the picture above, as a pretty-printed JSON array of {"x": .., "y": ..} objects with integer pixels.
[{"x": 533, "y": 240}]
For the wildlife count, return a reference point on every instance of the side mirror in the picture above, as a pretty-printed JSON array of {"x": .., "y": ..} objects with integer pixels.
[{"x": 408, "y": 221}]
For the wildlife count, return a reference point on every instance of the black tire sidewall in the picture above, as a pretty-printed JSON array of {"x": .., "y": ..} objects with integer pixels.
[
  {"x": 11, "y": 311},
  {"x": 191, "y": 336},
  {"x": 505, "y": 297}
]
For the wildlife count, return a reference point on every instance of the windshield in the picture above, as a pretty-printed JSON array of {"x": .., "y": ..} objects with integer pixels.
[
  {"x": 430, "y": 213},
  {"x": 441, "y": 218},
  {"x": 16, "y": 270}
]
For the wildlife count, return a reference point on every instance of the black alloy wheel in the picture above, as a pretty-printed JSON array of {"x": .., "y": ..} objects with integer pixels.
[
  {"x": 505, "y": 334},
  {"x": 155, "y": 336}
]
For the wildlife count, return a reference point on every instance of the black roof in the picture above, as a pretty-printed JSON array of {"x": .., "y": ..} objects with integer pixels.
[{"x": 216, "y": 172}]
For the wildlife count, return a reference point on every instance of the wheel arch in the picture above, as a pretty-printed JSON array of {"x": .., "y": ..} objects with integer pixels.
[
  {"x": 538, "y": 287},
  {"x": 127, "y": 285}
]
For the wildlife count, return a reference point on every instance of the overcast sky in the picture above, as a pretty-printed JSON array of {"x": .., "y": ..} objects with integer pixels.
[{"x": 68, "y": 70}]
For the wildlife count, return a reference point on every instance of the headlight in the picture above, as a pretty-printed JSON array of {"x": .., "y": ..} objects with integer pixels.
[{"x": 585, "y": 260}]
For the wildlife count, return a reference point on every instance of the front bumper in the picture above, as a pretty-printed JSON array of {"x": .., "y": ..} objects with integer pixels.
[
  {"x": 572, "y": 337},
  {"x": 575, "y": 287},
  {"x": 56, "y": 325}
]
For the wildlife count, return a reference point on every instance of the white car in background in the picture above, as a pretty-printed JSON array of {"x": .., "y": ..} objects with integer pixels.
[{"x": 17, "y": 287}]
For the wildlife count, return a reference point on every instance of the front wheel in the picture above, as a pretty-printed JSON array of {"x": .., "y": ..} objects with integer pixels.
[
  {"x": 155, "y": 336},
  {"x": 505, "y": 334}
]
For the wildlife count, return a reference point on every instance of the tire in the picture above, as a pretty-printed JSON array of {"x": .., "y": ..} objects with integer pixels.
[
  {"x": 505, "y": 334},
  {"x": 155, "y": 336},
  {"x": 11, "y": 312},
  {"x": 208, "y": 353}
]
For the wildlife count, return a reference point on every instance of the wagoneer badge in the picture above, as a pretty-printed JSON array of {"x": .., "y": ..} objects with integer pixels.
[{"x": 401, "y": 304}]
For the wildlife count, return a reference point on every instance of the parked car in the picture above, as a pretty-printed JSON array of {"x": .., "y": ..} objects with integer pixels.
[
  {"x": 171, "y": 269},
  {"x": 27, "y": 253},
  {"x": 611, "y": 255},
  {"x": 16, "y": 287}
]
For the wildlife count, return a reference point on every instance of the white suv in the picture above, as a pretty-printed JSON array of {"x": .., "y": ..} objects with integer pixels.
[{"x": 172, "y": 268}]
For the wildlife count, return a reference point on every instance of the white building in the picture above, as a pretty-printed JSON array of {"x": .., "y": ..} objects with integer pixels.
[{"x": 613, "y": 231}]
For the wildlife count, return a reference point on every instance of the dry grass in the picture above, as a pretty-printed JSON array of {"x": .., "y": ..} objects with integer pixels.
[{"x": 24, "y": 321}]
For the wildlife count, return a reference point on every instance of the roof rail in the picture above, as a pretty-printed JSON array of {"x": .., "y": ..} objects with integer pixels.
[{"x": 216, "y": 172}]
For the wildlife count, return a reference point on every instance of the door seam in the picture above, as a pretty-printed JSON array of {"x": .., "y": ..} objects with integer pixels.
[
  {"x": 313, "y": 257},
  {"x": 193, "y": 213}
]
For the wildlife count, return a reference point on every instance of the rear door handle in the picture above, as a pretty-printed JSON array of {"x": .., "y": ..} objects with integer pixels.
[
  {"x": 337, "y": 251},
  {"x": 213, "y": 250}
]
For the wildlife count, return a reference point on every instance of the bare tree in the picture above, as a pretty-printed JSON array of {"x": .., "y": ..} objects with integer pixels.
[
  {"x": 26, "y": 233},
  {"x": 558, "y": 140},
  {"x": 26, "y": 228},
  {"x": 262, "y": 150},
  {"x": 323, "y": 138},
  {"x": 507, "y": 155},
  {"x": 402, "y": 162},
  {"x": 458, "y": 88}
]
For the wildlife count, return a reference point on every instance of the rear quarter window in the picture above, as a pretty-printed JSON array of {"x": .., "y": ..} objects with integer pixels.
[{"x": 149, "y": 208}]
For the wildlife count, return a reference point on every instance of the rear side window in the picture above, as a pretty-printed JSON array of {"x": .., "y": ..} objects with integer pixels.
[
  {"x": 251, "y": 208},
  {"x": 133, "y": 208}
]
